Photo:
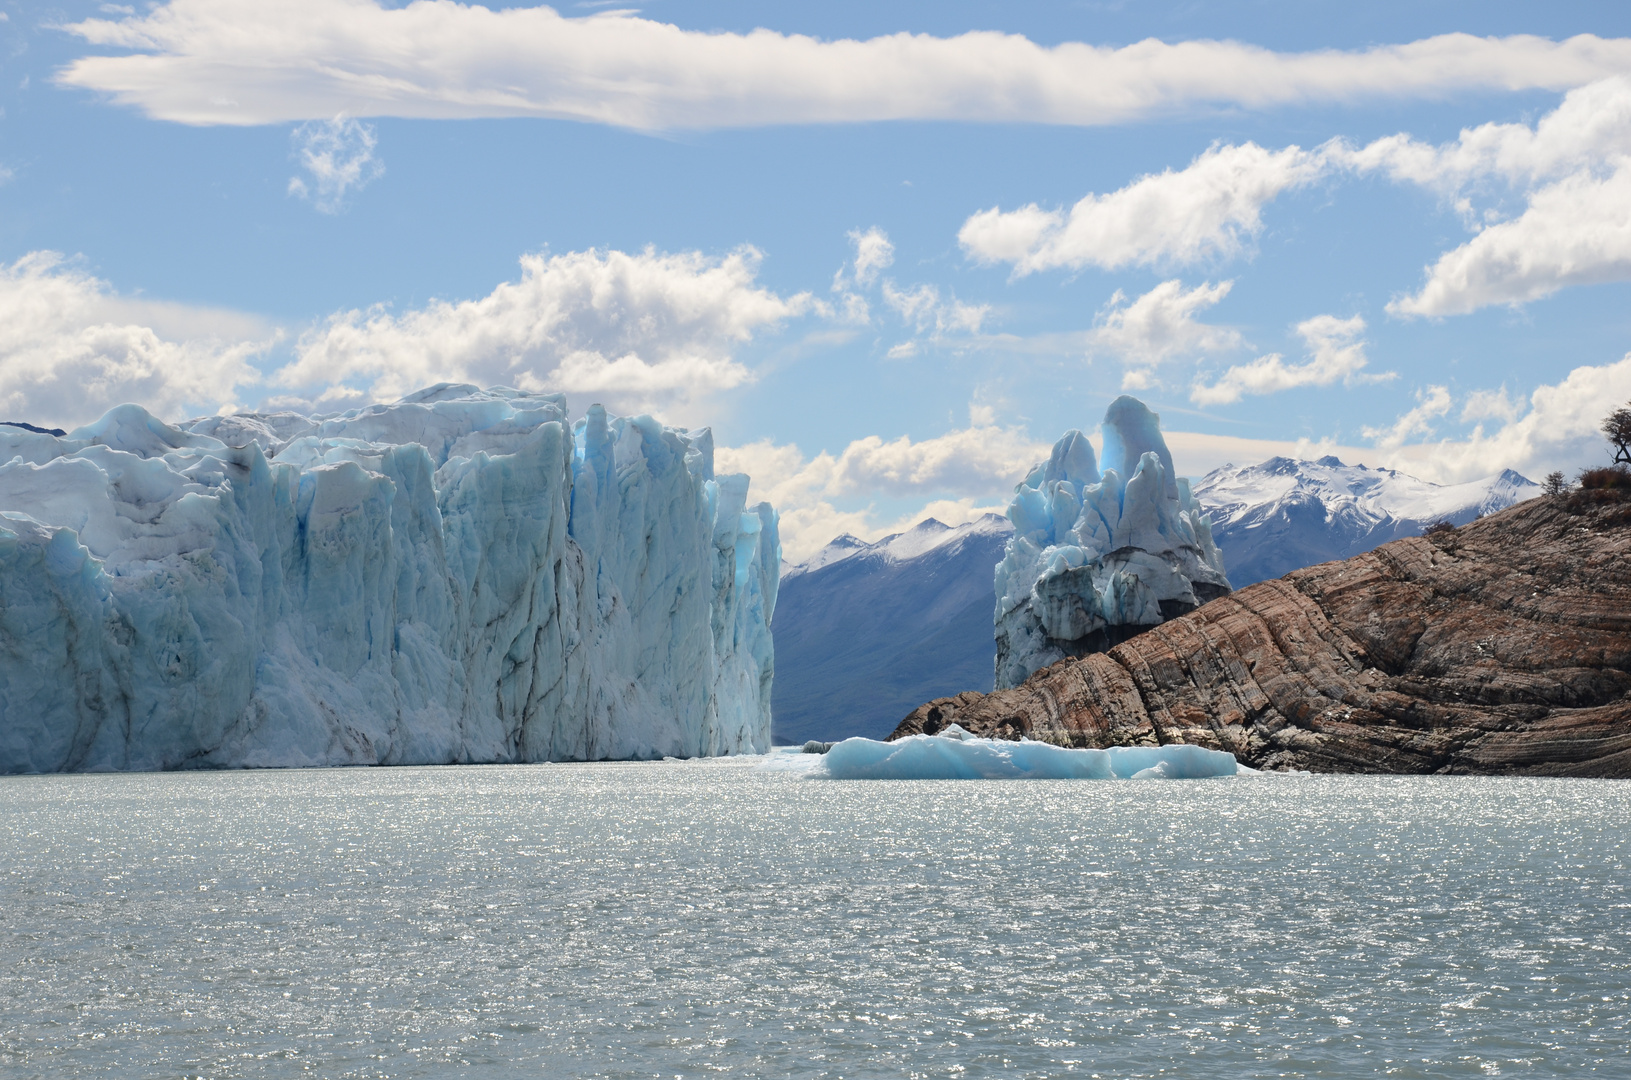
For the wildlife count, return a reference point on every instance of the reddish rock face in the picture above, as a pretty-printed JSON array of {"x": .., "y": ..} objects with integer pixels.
[{"x": 1500, "y": 647}]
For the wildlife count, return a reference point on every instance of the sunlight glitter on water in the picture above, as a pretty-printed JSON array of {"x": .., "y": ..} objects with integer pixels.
[{"x": 709, "y": 917}]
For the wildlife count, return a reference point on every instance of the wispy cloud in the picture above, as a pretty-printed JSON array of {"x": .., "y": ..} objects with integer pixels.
[
  {"x": 928, "y": 315},
  {"x": 1431, "y": 404},
  {"x": 338, "y": 156},
  {"x": 1210, "y": 209},
  {"x": 1336, "y": 350},
  {"x": 873, "y": 254}
]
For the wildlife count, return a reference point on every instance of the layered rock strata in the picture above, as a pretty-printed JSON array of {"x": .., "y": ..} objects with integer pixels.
[{"x": 1503, "y": 646}]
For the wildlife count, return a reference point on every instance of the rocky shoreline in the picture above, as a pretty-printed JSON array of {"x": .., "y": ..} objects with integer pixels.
[{"x": 1501, "y": 647}]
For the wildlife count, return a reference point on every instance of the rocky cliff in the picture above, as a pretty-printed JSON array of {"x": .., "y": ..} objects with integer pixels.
[{"x": 1503, "y": 646}]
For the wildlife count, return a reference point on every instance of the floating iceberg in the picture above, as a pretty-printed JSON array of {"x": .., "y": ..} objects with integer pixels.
[
  {"x": 953, "y": 754},
  {"x": 460, "y": 576},
  {"x": 1096, "y": 559}
]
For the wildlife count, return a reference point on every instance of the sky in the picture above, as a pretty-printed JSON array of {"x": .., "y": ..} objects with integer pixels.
[{"x": 888, "y": 252}]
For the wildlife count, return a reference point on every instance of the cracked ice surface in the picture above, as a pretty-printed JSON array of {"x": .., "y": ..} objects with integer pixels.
[
  {"x": 1096, "y": 558},
  {"x": 460, "y": 576}
]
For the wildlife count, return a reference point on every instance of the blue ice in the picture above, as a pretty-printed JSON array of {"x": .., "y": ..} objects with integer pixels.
[{"x": 955, "y": 755}]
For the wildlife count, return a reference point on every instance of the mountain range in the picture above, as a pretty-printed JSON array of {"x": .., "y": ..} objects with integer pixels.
[
  {"x": 1283, "y": 515},
  {"x": 866, "y": 632}
]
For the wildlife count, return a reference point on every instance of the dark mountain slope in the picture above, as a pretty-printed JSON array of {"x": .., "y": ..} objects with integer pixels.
[{"x": 870, "y": 630}]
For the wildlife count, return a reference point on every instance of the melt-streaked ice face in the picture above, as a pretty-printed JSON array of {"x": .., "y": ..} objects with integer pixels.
[
  {"x": 460, "y": 576},
  {"x": 1093, "y": 554}
]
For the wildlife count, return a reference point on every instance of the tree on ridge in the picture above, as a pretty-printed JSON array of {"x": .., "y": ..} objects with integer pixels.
[{"x": 1618, "y": 429}]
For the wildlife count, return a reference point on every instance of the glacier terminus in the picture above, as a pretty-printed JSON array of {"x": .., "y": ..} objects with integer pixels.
[
  {"x": 461, "y": 576},
  {"x": 1098, "y": 558}
]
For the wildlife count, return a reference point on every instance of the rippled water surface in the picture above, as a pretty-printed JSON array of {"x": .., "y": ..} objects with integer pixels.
[{"x": 689, "y": 919}]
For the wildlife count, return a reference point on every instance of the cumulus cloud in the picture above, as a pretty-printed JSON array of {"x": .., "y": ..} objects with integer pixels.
[
  {"x": 1210, "y": 209},
  {"x": 1490, "y": 405},
  {"x": 1160, "y": 326},
  {"x": 70, "y": 349},
  {"x": 967, "y": 472},
  {"x": 1576, "y": 231},
  {"x": 1431, "y": 404},
  {"x": 1570, "y": 173},
  {"x": 1559, "y": 427},
  {"x": 1336, "y": 350},
  {"x": 968, "y": 461},
  {"x": 338, "y": 156},
  {"x": 640, "y": 332},
  {"x": 1573, "y": 171},
  {"x": 956, "y": 477},
  {"x": 248, "y": 62},
  {"x": 1592, "y": 125}
]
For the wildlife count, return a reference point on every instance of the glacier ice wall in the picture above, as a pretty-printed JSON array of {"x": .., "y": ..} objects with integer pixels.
[
  {"x": 460, "y": 576},
  {"x": 1096, "y": 558}
]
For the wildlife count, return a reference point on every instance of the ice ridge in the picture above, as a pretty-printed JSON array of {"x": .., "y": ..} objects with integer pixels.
[
  {"x": 461, "y": 576},
  {"x": 1096, "y": 558}
]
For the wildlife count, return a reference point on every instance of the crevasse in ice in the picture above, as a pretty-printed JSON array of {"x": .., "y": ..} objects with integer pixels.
[
  {"x": 460, "y": 576},
  {"x": 1096, "y": 558}
]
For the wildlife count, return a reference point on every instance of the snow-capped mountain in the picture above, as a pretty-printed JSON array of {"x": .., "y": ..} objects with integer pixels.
[
  {"x": 867, "y": 632},
  {"x": 1282, "y": 515}
]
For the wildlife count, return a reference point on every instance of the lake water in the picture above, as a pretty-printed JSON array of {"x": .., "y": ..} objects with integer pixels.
[{"x": 696, "y": 919}]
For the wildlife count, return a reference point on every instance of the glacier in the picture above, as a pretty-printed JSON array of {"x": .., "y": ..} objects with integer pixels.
[
  {"x": 462, "y": 576},
  {"x": 954, "y": 754},
  {"x": 1096, "y": 558}
]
